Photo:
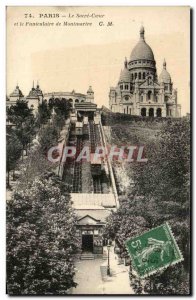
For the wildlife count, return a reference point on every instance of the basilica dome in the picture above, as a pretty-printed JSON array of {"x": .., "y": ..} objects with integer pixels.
[{"x": 142, "y": 50}]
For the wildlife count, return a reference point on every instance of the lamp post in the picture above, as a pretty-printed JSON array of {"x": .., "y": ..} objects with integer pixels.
[{"x": 108, "y": 267}]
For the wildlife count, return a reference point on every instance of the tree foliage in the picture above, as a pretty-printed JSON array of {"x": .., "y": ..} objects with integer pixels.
[
  {"x": 18, "y": 113},
  {"x": 14, "y": 150},
  {"x": 62, "y": 107},
  {"x": 161, "y": 193},
  {"x": 21, "y": 116},
  {"x": 40, "y": 240},
  {"x": 48, "y": 137},
  {"x": 44, "y": 113}
]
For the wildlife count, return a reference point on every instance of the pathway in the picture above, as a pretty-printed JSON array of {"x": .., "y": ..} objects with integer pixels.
[{"x": 92, "y": 278}]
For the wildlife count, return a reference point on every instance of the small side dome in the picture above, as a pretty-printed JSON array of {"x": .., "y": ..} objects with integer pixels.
[
  {"x": 165, "y": 76},
  {"x": 125, "y": 75},
  {"x": 33, "y": 92},
  {"x": 17, "y": 92}
]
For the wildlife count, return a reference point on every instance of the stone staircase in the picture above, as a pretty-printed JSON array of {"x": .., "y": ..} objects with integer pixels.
[{"x": 87, "y": 256}]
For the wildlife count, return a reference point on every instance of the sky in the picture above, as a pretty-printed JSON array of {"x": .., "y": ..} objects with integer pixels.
[{"x": 63, "y": 58}]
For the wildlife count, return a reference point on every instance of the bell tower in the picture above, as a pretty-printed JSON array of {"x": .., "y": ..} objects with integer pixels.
[{"x": 90, "y": 95}]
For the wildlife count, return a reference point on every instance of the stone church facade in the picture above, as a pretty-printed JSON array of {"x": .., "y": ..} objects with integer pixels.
[{"x": 139, "y": 90}]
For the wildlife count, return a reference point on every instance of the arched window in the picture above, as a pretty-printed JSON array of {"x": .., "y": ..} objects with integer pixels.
[
  {"x": 51, "y": 101},
  {"x": 121, "y": 87},
  {"x": 135, "y": 75},
  {"x": 159, "y": 112},
  {"x": 57, "y": 100},
  {"x": 151, "y": 112},
  {"x": 140, "y": 75},
  {"x": 126, "y": 87},
  {"x": 143, "y": 112},
  {"x": 144, "y": 75},
  {"x": 76, "y": 101},
  {"x": 70, "y": 102},
  {"x": 149, "y": 95}
]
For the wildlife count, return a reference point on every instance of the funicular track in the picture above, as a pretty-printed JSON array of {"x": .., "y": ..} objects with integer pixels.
[
  {"x": 95, "y": 140},
  {"x": 77, "y": 177},
  {"x": 89, "y": 177},
  {"x": 92, "y": 136},
  {"x": 78, "y": 173}
]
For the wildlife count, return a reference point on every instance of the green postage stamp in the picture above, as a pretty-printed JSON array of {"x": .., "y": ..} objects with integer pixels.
[{"x": 153, "y": 251}]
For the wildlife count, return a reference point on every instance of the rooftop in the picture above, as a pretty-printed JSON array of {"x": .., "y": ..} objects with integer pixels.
[{"x": 104, "y": 200}]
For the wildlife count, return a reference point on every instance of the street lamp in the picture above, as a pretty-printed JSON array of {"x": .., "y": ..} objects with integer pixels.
[{"x": 108, "y": 267}]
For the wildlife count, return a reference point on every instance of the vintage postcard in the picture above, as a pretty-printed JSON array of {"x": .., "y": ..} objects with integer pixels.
[{"x": 98, "y": 150}]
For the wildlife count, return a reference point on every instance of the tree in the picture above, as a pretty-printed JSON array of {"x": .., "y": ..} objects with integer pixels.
[
  {"x": 19, "y": 112},
  {"x": 44, "y": 113},
  {"x": 161, "y": 193},
  {"x": 41, "y": 240},
  {"x": 14, "y": 150},
  {"x": 48, "y": 138},
  {"x": 26, "y": 132},
  {"x": 59, "y": 122},
  {"x": 23, "y": 119},
  {"x": 35, "y": 165},
  {"x": 62, "y": 107}
]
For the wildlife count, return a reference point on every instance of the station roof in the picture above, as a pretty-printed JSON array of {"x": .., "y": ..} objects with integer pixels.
[
  {"x": 86, "y": 106},
  {"x": 97, "y": 214},
  {"x": 104, "y": 200}
]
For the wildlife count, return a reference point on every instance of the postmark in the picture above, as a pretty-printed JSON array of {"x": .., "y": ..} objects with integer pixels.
[{"x": 153, "y": 251}]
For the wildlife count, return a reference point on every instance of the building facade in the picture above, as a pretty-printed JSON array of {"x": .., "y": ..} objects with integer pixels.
[
  {"x": 73, "y": 97},
  {"x": 139, "y": 90},
  {"x": 36, "y": 96},
  {"x": 14, "y": 96}
]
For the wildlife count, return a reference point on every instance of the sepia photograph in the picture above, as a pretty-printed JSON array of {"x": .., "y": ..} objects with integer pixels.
[{"x": 98, "y": 150}]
